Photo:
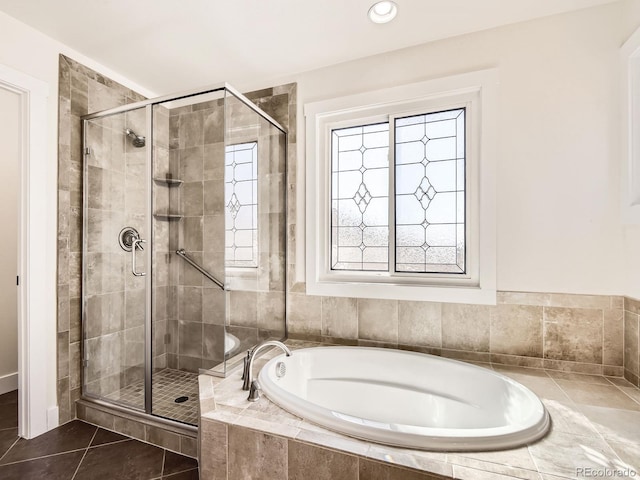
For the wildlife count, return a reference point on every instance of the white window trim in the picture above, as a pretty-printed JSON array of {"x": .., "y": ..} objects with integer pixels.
[
  {"x": 478, "y": 92},
  {"x": 630, "y": 174}
]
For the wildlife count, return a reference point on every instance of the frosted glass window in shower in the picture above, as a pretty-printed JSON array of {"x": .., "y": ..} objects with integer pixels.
[
  {"x": 360, "y": 198},
  {"x": 241, "y": 205},
  {"x": 430, "y": 192}
]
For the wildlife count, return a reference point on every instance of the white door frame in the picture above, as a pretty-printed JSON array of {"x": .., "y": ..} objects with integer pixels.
[{"x": 37, "y": 373}]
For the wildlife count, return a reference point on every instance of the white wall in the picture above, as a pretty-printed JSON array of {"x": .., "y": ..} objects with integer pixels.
[
  {"x": 9, "y": 162},
  {"x": 30, "y": 52},
  {"x": 631, "y": 232},
  {"x": 559, "y": 226}
]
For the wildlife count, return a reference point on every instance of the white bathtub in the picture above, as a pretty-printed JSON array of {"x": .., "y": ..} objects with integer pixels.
[{"x": 405, "y": 399}]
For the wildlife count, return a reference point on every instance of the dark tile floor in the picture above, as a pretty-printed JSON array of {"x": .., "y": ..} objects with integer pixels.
[{"x": 80, "y": 451}]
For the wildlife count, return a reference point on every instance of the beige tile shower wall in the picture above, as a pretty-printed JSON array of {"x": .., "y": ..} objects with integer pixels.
[
  {"x": 632, "y": 340},
  {"x": 257, "y": 311},
  {"x": 81, "y": 90},
  {"x": 196, "y": 152},
  {"x": 255, "y": 306},
  {"x": 567, "y": 332}
]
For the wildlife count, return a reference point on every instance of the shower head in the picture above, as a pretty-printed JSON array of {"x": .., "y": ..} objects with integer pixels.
[{"x": 137, "y": 140}]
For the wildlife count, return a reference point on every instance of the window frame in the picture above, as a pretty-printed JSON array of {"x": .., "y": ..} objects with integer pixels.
[{"x": 475, "y": 92}]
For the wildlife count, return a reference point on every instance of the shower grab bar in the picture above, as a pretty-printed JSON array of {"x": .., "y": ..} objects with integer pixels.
[{"x": 182, "y": 253}]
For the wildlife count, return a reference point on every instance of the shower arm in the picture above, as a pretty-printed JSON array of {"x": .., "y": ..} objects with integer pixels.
[{"x": 182, "y": 253}]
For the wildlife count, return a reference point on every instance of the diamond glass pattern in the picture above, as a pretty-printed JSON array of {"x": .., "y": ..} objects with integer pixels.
[
  {"x": 360, "y": 198},
  {"x": 241, "y": 201},
  {"x": 430, "y": 192}
]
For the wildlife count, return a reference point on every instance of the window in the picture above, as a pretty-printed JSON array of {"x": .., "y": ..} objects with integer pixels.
[
  {"x": 400, "y": 192},
  {"x": 241, "y": 205},
  {"x": 427, "y": 221}
]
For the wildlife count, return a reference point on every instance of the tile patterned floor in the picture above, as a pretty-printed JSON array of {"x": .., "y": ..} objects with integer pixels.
[
  {"x": 168, "y": 385},
  {"x": 80, "y": 451}
]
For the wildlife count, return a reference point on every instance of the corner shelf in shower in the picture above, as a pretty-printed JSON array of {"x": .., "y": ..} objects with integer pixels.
[
  {"x": 167, "y": 216},
  {"x": 169, "y": 182}
]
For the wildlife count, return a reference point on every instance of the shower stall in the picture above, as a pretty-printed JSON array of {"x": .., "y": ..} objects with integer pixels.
[{"x": 184, "y": 235}]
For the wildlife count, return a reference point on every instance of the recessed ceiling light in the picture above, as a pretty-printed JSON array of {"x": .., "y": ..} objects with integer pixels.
[{"x": 383, "y": 12}]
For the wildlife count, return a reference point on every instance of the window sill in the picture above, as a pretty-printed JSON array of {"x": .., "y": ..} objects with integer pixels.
[{"x": 482, "y": 295}]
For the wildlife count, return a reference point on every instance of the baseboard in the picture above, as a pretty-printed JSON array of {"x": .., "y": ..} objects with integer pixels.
[
  {"x": 8, "y": 383},
  {"x": 53, "y": 418}
]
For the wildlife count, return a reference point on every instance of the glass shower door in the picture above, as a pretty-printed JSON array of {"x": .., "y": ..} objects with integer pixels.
[{"x": 115, "y": 221}]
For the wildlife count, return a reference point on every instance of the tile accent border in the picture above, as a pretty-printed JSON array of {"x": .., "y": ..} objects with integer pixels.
[{"x": 177, "y": 440}]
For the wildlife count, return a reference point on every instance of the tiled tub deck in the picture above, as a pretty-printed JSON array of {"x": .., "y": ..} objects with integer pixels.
[{"x": 595, "y": 429}]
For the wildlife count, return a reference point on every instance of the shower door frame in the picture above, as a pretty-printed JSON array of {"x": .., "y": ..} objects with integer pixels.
[{"x": 148, "y": 327}]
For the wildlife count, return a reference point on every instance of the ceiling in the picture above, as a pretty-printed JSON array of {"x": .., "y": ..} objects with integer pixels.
[{"x": 172, "y": 45}]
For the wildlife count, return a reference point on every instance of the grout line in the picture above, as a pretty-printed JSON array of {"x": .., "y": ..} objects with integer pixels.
[
  {"x": 9, "y": 449},
  {"x": 85, "y": 454},
  {"x": 43, "y": 456},
  {"x": 111, "y": 443},
  {"x": 164, "y": 457}
]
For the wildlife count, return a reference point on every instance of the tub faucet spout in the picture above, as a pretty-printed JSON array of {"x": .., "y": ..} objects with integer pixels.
[{"x": 249, "y": 382}]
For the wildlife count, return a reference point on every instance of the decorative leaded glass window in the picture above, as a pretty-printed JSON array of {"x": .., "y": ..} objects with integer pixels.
[
  {"x": 427, "y": 228},
  {"x": 241, "y": 205},
  {"x": 430, "y": 192},
  {"x": 360, "y": 198}
]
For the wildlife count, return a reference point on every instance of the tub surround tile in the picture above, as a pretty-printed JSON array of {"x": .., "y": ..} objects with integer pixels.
[
  {"x": 597, "y": 395},
  {"x": 578, "y": 424},
  {"x": 339, "y": 317},
  {"x": 523, "y": 298},
  {"x": 613, "y": 337},
  {"x": 566, "y": 418},
  {"x": 543, "y": 386},
  {"x": 368, "y": 470},
  {"x": 420, "y": 323},
  {"x": 615, "y": 425},
  {"x": 576, "y": 367},
  {"x": 631, "y": 343},
  {"x": 325, "y": 464},
  {"x": 562, "y": 454},
  {"x": 628, "y": 453},
  {"x": 560, "y": 340},
  {"x": 319, "y": 436},
  {"x": 517, "y": 361},
  {"x": 433, "y": 462},
  {"x": 578, "y": 377},
  {"x": 268, "y": 455},
  {"x": 378, "y": 320},
  {"x": 517, "y": 330},
  {"x": 466, "y": 327},
  {"x": 304, "y": 314},
  {"x": 489, "y": 469},
  {"x": 632, "y": 305},
  {"x": 540, "y": 330}
]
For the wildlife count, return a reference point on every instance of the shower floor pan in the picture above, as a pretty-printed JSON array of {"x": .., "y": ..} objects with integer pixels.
[{"x": 168, "y": 385}]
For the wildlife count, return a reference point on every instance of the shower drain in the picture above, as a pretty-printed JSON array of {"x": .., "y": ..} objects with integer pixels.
[{"x": 181, "y": 399}]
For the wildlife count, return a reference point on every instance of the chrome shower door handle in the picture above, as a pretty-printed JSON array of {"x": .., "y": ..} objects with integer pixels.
[{"x": 137, "y": 243}]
